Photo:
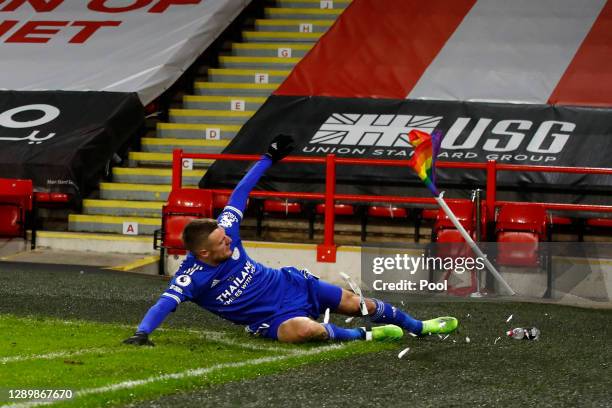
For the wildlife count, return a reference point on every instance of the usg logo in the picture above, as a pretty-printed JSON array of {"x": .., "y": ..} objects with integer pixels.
[
  {"x": 467, "y": 138},
  {"x": 346, "y": 129}
]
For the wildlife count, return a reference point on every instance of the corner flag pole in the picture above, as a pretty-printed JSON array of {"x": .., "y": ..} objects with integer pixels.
[
  {"x": 426, "y": 148},
  {"x": 440, "y": 200}
]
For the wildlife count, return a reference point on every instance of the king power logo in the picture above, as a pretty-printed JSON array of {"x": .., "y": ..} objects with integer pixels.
[{"x": 467, "y": 138}]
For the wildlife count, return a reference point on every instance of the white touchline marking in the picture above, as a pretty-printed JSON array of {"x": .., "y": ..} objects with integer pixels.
[
  {"x": 219, "y": 337},
  {"x": 194, "y": 372},
  {"x": 225, "y": 338},
  {"x": 56, "y": 354}
]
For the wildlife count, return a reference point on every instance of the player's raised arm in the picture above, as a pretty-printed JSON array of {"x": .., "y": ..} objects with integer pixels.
[{"x": 280, "y": 147}]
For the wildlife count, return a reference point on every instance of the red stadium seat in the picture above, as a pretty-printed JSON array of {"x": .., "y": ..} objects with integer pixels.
[
  {"x": 285, "y": 208},
  {"x": 220, "y": 200},
  {"x": 520, "y": 229},
  {"x": 518, "y": 217},
  {"x": 517, "y": 248},
  {"x": 183, "y": 206},
  {"x": 11, "y": 221},
  {"x": 596, "y": 226},
  {"x": 558, "y": 220},
  {"x": 450, "y": 242},
  {"x": 565, "y": 225},
  {"x": 599, "y": 222},
  {"x": 47, "y": 198},
  {"x": 387, "y": 212},
  {"x": 15, "y": 207},
  {"x": 429, "y": 214},
  {"x": 339, "y": 209},
  {"x": 381, "y": 211},
  {"x": 463, "y": 210},
  {"x": 523, "y": 227},
  {"x": 342, "y": 210}
]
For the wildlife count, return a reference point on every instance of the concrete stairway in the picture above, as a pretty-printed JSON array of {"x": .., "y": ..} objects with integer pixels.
[{"x": 209, "y": 119}]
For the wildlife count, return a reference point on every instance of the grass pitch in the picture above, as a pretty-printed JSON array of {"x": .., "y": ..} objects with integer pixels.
[
  {"x": 62, "y": 326},
  {"x": 88, "y": 358}
]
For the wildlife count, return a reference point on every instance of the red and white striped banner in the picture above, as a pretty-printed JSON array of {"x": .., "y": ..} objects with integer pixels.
[{"x": 521, "y": 51}]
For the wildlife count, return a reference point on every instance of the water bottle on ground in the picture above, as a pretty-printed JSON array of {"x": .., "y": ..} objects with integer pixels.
[{"x": 519, "y": 333}]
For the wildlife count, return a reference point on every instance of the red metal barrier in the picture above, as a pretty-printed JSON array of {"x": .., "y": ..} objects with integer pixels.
[{"x": 326, "y": 252}]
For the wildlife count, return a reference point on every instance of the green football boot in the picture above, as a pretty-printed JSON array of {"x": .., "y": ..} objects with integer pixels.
[
  {"x": 440, "y": 325},
  {"x": 389, "y": 332}
]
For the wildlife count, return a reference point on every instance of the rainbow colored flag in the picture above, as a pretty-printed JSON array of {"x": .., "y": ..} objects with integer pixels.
[{"x": 426, "y": 149}]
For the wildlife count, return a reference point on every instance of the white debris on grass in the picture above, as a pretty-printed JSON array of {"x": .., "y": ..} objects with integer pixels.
[
  {"x": 509, "y": 318},
  {"x": 496, "y": 340},
  {"x": 467, "y": 339},
  {"x": 468, "y": 315},
  {"x": 402, "y": 302},
  {"x": 403, "y": 352},
  {"x": 348, "y": 319},
  {"x": 326, "y": 318}
]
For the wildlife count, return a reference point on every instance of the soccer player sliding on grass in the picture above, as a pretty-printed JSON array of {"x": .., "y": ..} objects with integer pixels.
[{"x": 281, "y": 304}]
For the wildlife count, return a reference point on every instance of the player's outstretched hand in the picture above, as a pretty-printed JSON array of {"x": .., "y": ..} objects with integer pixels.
[
  {"x": 280, "y": 147},
  {"x": 139, "y": 339}
]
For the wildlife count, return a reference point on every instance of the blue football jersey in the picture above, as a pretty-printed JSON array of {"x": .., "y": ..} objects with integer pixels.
[{"x": 240, "y": 289}]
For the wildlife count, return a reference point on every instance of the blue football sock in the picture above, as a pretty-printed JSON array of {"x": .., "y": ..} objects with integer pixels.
[
  {"x": 385, "y": 313},
  {"x": 336, "y": 333}
]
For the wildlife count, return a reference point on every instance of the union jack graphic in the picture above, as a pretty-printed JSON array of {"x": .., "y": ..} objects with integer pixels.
[{"x": 348, "y": 129}]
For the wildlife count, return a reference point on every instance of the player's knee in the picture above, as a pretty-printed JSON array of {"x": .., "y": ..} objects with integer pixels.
[
  {"x": 300, "y": 330},
  {"x": 309, "y": 332}
]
